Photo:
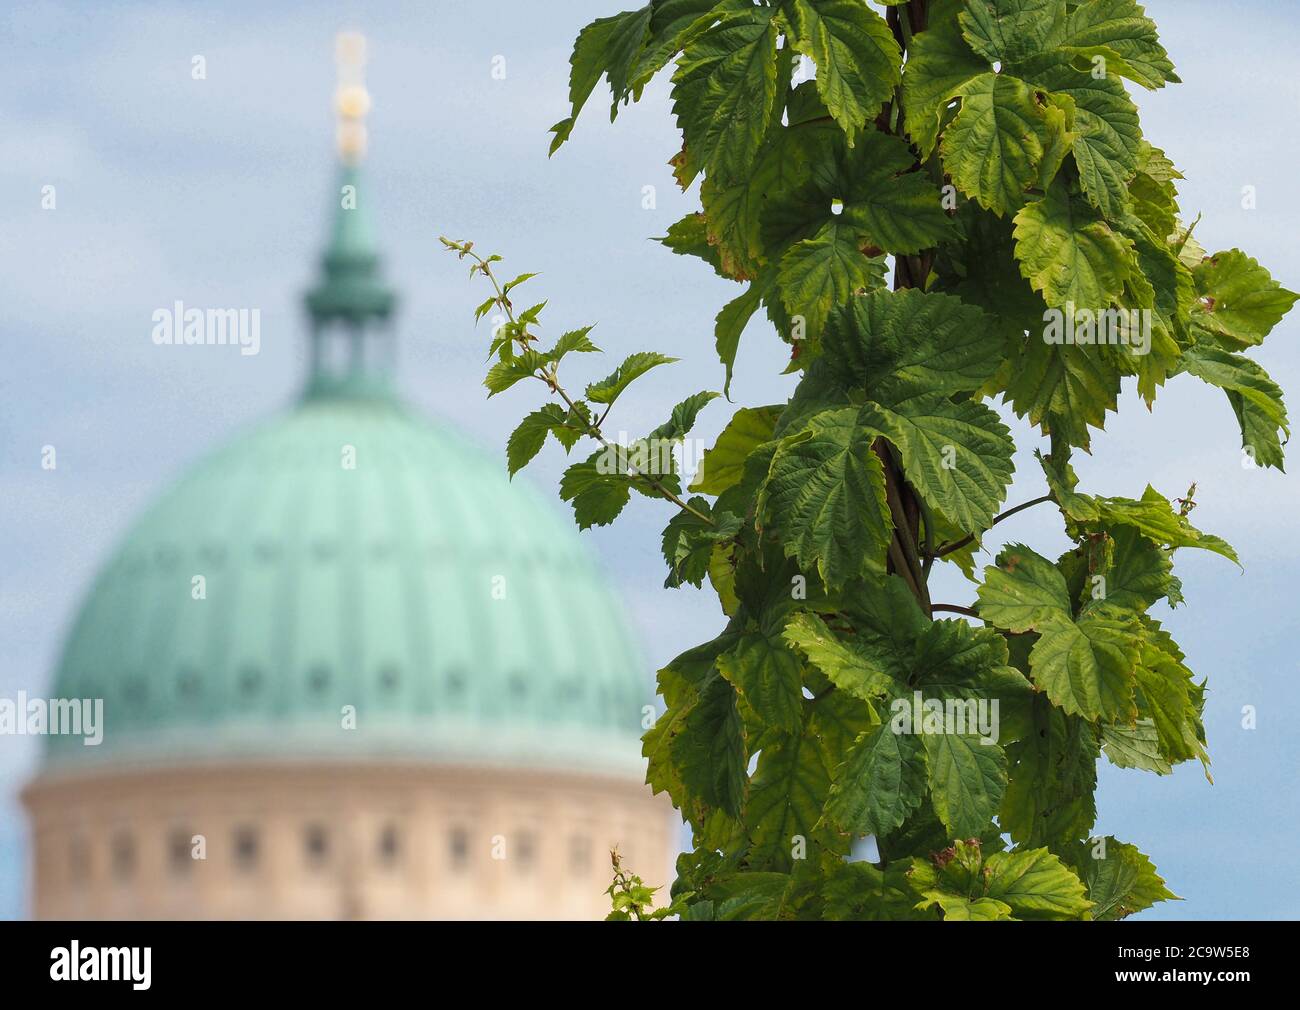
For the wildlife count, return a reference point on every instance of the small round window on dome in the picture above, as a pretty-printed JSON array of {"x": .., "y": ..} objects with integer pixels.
[
  {"x": 456, "y": 682},
  {"x": 318, "y": 679},
  {"x": 188, "y": 683},
  {"x": 266, "y": 551},
  {"x": 135, "y": 691},
  {"x": 324, "y": 550},
  {"x": 518, "y": 685},
  {"x": 250, "y": 681},
  {"x": 388, "y": 678}
]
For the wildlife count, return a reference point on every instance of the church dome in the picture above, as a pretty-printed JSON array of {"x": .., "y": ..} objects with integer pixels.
[{"x": 353, "y": 581}]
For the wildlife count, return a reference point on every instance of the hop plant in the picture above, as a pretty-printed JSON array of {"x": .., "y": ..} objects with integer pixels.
[{"x": 956, "y": 206}]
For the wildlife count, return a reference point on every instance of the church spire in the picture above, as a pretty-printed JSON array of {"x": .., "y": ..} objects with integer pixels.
[{"x": 350, "y": 303}]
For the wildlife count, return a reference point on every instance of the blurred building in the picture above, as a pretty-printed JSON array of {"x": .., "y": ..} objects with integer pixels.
[{"x": 348, "y": 669}]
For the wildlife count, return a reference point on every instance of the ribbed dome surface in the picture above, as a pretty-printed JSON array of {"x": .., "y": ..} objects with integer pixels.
[{"x": 372, "y": 587}]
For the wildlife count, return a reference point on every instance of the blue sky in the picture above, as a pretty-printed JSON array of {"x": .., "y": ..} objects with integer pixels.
[{"x": 215, "y": 191}]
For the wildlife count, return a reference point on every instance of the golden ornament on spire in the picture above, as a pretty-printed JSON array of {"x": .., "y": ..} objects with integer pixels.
[{"x": 351, "y": 99}]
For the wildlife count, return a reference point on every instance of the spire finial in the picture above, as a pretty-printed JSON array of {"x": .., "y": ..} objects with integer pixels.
[{"x": 351, "y": 99}]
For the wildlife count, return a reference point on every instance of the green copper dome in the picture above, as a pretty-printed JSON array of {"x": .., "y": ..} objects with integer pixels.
[
  {"x": 351, "y": 581},
  {"x": 454, "y": 611}
]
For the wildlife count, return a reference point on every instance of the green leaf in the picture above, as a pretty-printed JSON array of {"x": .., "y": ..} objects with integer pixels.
[
  {"x": 1070, "y": 254},
  {"x": 690, "y": 237},
  {"x": 967, "y": 780},
  {"x": 723, "y": 466},
  {"x": 855, "y": 667},
  {"x": 956, "y": 455},
  {"x": 1239, "y": 303},
  {"x": 574, "y": 340},
  {"x": 688, "y": 542},
  {"x": 730, "y": 323},
  {"x": 597, "y": 497},
  {"x": 1011, "y": 30},
  {"x": 606, "y": 47},
  {"x": 766, "y": 673},
  {"x": 1087, "y": 667},
  {"x": 682, "y": 420},
  {"x": 724, "y": 92},
  {"x": 1120, "y": 879},
  {"x": 881, "y": 782},
  {"x": 527, "y": 439},
  {"x": 1036, "y": 885},
  {"x": 1024, "y": 592},
  {"x": 1121, "y": 26},
  {"x": 861, "y": 892},
  {"x": 993, "y": 147},
  {"x": 1136, "y": 746},
  {"x": 1138, "y": 575},
  {"x": 1052, "y": 779},
  {"x": 1255, "y": 398},
  {"x": 900, "y": 343},
  {"x": 505, "y": 373},
  {"x": 858, "y": 60},
  {"x": 633, "y": 367},
  {"x": 1154, "y": 517},
  {"x": 820, "y": 273},
  {"x": 710, "y": 749},
  {"x": 897, "y": 209},
  {"x": 785, "y": 800},
  {"x": 1064, "y": 388},
  {"x": 939, "y": 64},
  {"x": 826, "y": 495}
]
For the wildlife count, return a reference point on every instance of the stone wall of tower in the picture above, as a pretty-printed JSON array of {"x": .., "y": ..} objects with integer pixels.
[{"x": 315, "y": 841}]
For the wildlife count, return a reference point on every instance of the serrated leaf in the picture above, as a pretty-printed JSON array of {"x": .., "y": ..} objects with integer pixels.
[
  {"x": 882, "y": 780},
  {"x": 608, "y": 47},
  {"x": 897, "y": 209},
  {"x": 1120, "y": 879},
  {"x": 1136, "y": 746},
  {"x": 826, "y": 495},
  {"x": 1139, "y": 573},
  {"x": 939, "y": 64},
  {"x": 766, "y": 673},
  {"x": 1052, "y": 779},
  {"x": 723, "y": 465},
  {"x": 1155, "y": 518},
  {"x": 993, "y": 147},
  {"x": 956, "y": 455},
  {"x": 1024, "y": 592},
  {"x": 633, "y": 367},
  {"x": 1122, "y": 26},
  {"x": 731, "y": 321},
  {"x": 724, "y": 91},
  {"x": 786, "y": 798},
  {"x": 820, "y": 273},
  {"x": 1087, "y": 667},
  {"x": 1239, "y": 303},
  {"x": 597, "y": 498},
  {"x": 1064, "y": 388},
  {"x": 682, "y": 419},
  {"x": 858, "y": 668},
  {"x": 858, "y": 60},
  {"x": 967, "y": 780},
  {"x": 1011, "y": 30},
  {"x": 1255, "y": 398},
  {"x": 1069, "y": 254},
  {"x": 1035, "y": 884},
  {"x": 898, "y": 343},
  {"x": 527, "y": 439}
]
